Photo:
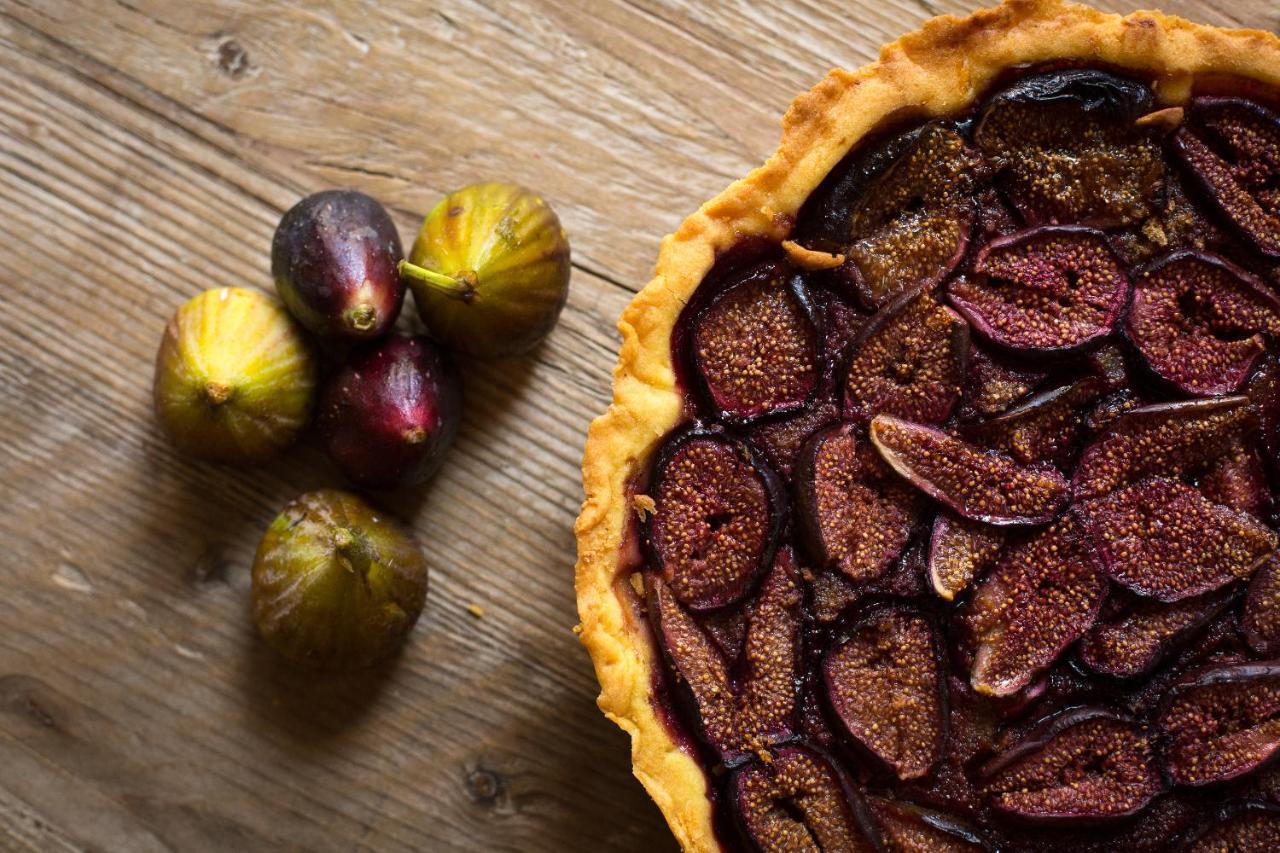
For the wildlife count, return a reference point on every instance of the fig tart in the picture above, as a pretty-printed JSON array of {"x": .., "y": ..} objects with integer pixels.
[{"x": 936, "y": 506}]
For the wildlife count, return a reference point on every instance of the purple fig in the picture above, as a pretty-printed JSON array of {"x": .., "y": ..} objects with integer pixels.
[
  {"x": 1222, "y": 722},
  {"x": 1238, "y": 479},
  {"x": 780, "y": 440},
  {"x": 1133, "y": 640},
  {"x": 1243, "y": 827},
  {"x": 391, "y": 413},
  {"x": 1045, "y": 428},
  {"x": 1260, "y": 619},
  {"x": 993, "y": 385},
  {"x": 1264, "y": 394},
  {"x": 913, "y": 829},
  {"x": 959, "y": 551}
]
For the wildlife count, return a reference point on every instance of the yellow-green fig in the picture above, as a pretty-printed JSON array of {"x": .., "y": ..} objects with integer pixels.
[
  {"x": 336, "y": 583},
  {"x": 235, "y": 379},
  {"x": 489, "y": 270}
]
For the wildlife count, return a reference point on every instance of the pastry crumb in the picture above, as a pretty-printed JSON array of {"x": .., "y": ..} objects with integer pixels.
[
  {"x": 476, "y": 610},
  {"x": 811, "y": 259},
  {"x": 1170, "y": 117},
  {"x": 577, "y": 630},
  {"x": 644, "y": 506},
  {"x": 637, "y": 583}
]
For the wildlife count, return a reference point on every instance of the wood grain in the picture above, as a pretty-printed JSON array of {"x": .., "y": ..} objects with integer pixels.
[{"x": 146, "y": 152}]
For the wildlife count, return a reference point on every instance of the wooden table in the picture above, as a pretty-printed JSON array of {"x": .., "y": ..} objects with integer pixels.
[{"x": 146, "y": 151}]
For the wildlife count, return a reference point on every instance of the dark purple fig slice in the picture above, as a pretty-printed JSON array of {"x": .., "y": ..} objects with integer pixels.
[
  {"x": 727, "y": 627},
  {"x": 1046, "y": 427},
  {"x": 1052, "y": 289},
  {"x": 959, "y": 551},
  {"x": 756, "y": 347},
  {"x": 1072, "y": 150},
  {"x": 1176, "y": 223},
  {"x": 1232, "y": 148},
  {"x": 1040, "y": 598},
  {"x": 800, "y": 801},
  {"x": 992, "y": 386},
  {"x": 975, "y": 484},
  {"x": 1081, "y": 766},
  {"x": 855, "y": 515},
  {"x": 909, "y": 361},
  {"x": 1221, "y": 723},
  {"x": 1199, "y": 320},
  {"x": 780, "y": 441},
  {"x": 841, "y": 323},
  {"x": 1107, "y": 363},
  {"x": 885, "y": 687},
  {"x": 1133, "y": 640},
  {"x": 1238, "y": 480},
  {"x": 831, "y": 593},
  {"x": 912, "y": 225},
  {"x": 1167, "y": 439},
  {"x": 1243, "y": 827},
  {"x": 1264, "y": 394},
  {"x": 1164, "y": 540},
  {"x": 1110, "y": 408},
  {"x": 717, "y": 517},
  {"x": 1260, "y": 619},
  {"x": 909, "y": 828}
]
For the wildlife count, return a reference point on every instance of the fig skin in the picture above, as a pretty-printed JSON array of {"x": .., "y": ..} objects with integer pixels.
[
  {"x": 489, "y": 270},
  {"x": 334, "y": 259},
  {"x": 235, "y": 379},
  {"x": 336, "y": 583},
  {"x": 389, "y": 416}
]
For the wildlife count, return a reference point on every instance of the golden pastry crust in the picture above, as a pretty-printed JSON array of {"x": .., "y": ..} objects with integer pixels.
[{"x": 938, "y": 70}]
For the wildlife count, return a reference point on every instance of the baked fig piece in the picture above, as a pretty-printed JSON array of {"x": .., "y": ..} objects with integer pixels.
[
  {"x": 1238, "y": 479},
  {"x": 854, "y": 514},
  {"x": 1264, "y": 393},
  {"x": 911, "y": 829},
  {"x": 959, "y": 551},
  {"x": 780, "y": 441},
  {"x": 717, "y": 517},
  {"x": 912, "y": 225},
  {"x": 973, "y": 483},
  {"x": 1080, "y": 766},
  {"x": 1072, "y": 148},
  {"x": 885, "y": 686},
  {"x": 1232, "y": 148},
  {"x": 1045, "y": 428},
  {"x": 1046, "y": 290},
  {"x": 908, "y": 361},
  {"x": 740, "y": 706},
  {"x": 1165, "y": 540},
  {"x": 993, "y": 385},
  {"x": 1221, "y": 723},
  {"x": 1198, "y": 321},
  {"x": 1133, "y": 639},
  {"x": 1243, "y": 826},
  {"x": 755, "y": 347},
  {"x": 1043, "y": 594},
  {"x": 1260, "y": 619},
  {"x": 800, "y": 801}
]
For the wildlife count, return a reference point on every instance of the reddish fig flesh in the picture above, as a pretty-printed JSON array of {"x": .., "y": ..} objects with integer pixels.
[
  {"x": 912, "y": 829},
  {"x": 1046, "y": 427},
  {"x": 992, "y": 386},
  {"x": 960, "y": 550},
  {"x": 1222, "y": 723},
  {"x": 1133, "y": 641},
  {"x": 1165, "y": 540},
  {"x": 1046, "y": 290},
  {"x": 1264, "y": 394},
  {"x": 908, "y": 361},
  {"x": 1260, "y": 620},
  {"x": 1238, "y": 480},
  {"x": 390, "y": 414},
  {"x": 885, "y": 687},
  {"x": 780, "y": 441},
  {"x": 1081, "y": 766},
  {"x": 1040, "y": 598},
  {"x": 717, "y": 518},
  {"x": 855, "y": 515},
  {"x": 1249, "y": 827},
  {"x": 975, "y": 484}
]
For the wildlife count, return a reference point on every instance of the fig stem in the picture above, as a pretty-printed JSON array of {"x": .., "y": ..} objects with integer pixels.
[
  {"x": 217, "y": 393},
  {"x": 461, "y": 285},
  {"x": 354, "y": 550},
  {"x": 362, "y": 317}
]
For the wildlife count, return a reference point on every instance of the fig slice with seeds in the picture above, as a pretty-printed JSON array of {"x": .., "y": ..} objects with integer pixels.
[
  {"x": 909, "y": 361},
  {"x": 781, "y": 440},
  {"x": 1238, "y": 479},
  {"x": 854, "y": 514},
  {"x": 1232, "y": 148},
  {"x": 1165, "y": 540},
  {"x": 1260, "y": 619},
  {"x": 1043, "y": 594},
  {"x": 912, "y": 225},
  {"x": 1240, "y": 827},
  {"x": 885, "y": 687},
  {"x": 1198, "y": 321},
  {"x": 756, "y": 347},
  {"x": 717, "y": 517},
  {"x": 973, "y": 483},
  {"x": 1222, "y": 722},
  {"x": 1046, "y": 427},
  {"x": 800, "y": 801},
  {"x": 960, "y": 550},
  {"x": 912, "y": 829},
  {"x": 1080, "y": 766},
  {"x": 1135, "y": 638},
  {"x": 992, "y": 386},
  {"x": 1052, "y": 289},
  {"x": 1264, "y": 393}
]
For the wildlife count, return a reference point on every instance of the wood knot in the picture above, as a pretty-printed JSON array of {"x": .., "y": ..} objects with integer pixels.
[
  {"x": 483, "y": 786},
  {"x": 231, "y": 57}
]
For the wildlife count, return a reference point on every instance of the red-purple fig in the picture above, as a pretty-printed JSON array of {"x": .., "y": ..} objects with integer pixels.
[
  {"x": 391, "y": 413},
  {"x": 1260, "y": 619},
  {"x": 912, "y": 829},
  {"x": 1133, "y": 639},
  {"x": 959, "y": 551},
  {"x": 1243, "y": 827},
  {"x": 1238, "y": 479},
  {"x": 1222, "y": 722},
  {"x": 1045, "y": 428},
  {"x": 993, "y": 385},
  {"x": 781, "y": 440},
  {"x": 1264, "y": 393}
]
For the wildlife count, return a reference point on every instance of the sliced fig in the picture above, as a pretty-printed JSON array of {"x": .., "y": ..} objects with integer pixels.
[
  {"x": 1046, "y": 427},
  {"x": 885, "y": 686},
  {"x": 1264, "y": 394},
  {"x": 780, "y": 441},
  {"x": 1110, "y": 408},
  {"x": 1166, "y": 439},
  {"x": 1040, "y": 598},
  {"x": 1107, "y": 363},
  {"x": 1134, "y": 639},
  {"x": 756, "y": 347},
  {"x": 1237, "y": 479},
  {"x": 855, "y": 515},
  {"x": 912, "y": 225},
  {"x": 1165, "y": 540},
  {"x": 1083, "y": 765},
  {"x": 1052, "y": 289},
  {"x": 978, "y": 485},
  {"x": 1072, "y": 149},
  {"x": 1232, "y": 148},
  {"x": 909, "y": 828},
  {"x": 1176, "y": 223},
  {"x": 1222, "y": 722},
  {"x": 717, "y": 517},
  {"x": 960, "y": 550},
  {"x": 909, "y": 361},
  {"x": 800, "y": 801},
  {"x": 1260, "y": 619},
  {"x": 1243, "y": 827},
  {"x": 992, "y": 385}
]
